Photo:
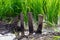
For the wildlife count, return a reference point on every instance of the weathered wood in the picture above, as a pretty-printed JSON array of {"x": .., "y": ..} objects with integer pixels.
[
  {"x": 22, "y": 23},
  {"x": 40, "y": 22},
  {"x": 30, "y": 22}
]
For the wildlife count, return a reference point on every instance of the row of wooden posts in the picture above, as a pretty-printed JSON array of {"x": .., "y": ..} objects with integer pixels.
[{"x": 30, "y": 23}]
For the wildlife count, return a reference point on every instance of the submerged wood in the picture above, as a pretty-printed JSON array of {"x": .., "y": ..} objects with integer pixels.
[
  {"x": 30, "y": 22},
  {"x": 40, "y": 22}
]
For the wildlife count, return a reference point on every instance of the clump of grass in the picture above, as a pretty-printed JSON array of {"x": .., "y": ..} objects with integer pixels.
[
  {"x": 51, "y": 9},
  {"x": 55, "y": 9}
]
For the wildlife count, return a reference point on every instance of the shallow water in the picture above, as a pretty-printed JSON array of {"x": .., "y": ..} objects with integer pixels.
[
  {"x": 8, "y": 36},
  {"x": 11, "y": 36}
]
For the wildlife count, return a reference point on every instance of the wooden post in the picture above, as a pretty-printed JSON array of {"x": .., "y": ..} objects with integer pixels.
[
  {"x": 22, "y": 23},
  {"x": 40, "y": 22},
  {"x": 30, "y": 22}
]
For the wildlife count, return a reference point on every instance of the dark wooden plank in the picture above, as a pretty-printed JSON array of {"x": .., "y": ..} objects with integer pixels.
[
  {"x": 30, "y": 22},
  {"x": 40, "y": 22}
]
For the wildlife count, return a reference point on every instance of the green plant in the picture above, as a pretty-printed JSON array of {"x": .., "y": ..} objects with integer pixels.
[
  {"x": 51, "y": 9},
  {"x": 48, "y": 8},
  {"x": 56, "y": 38}
]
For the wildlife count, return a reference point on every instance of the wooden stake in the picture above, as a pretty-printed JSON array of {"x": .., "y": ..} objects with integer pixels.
[
  {"x": 40, "y": 22},
  {"x": 22, "y": 23},
  {"x": 30, "y": 22}
]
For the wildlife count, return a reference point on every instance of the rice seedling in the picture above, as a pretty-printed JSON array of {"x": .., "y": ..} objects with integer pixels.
[
  {"x": 5, "y": 8},
  {"x": 52, "y": 12},
  {"x": 37, "y": 8},
  {"x": 48, "y": 8}
]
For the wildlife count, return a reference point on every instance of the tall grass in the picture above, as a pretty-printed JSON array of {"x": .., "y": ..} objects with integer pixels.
[{"x": 48, "y": 8}]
